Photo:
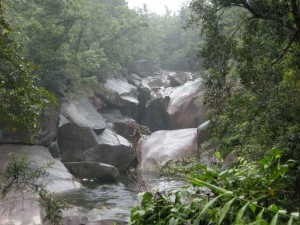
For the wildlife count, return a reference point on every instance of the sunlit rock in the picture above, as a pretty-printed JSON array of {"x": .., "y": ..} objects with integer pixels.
[
  {"x": 83, "y": 114},
  {"x": 183, "y": 110},
  {"x": 163, "y": 146}
]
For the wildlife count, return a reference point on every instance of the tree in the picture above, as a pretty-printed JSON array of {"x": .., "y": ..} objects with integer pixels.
[
  {"x": 21, "y": 97},
  {"x": 252, "y": 51}
]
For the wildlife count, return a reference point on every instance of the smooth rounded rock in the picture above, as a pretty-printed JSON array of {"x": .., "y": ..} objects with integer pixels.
[
  {"x": 163, "y": 146},
  {"x": 83, "y": 114}
]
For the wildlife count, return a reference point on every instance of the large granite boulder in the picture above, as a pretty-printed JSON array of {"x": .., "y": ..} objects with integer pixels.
[
  {"x": 163, "y": 146},
  {"x": 175, "y": 107},
  {"x": 143, "y": 68},
  {"x": 62, "y": 180},
  {"x": 177, "y": 78},
  {"x": 155, "y": 115},
  {"x": 118, "y": 94},
  {"x": 83, "y": 114},
  {"x": 91, "y": 170},
  {"x": 117, "y": 122},
  {"x": 22, "y": 208},
  {"x": 111, "y": 149},
  {"x": 73, "y": 140},
  {"x": 182, "y": 109}
]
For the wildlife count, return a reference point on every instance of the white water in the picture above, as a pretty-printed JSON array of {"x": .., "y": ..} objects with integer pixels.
[{"x": 112, "y": 201}]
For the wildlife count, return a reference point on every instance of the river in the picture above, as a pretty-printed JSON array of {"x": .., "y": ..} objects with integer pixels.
[{"x": 113, "y": 201}]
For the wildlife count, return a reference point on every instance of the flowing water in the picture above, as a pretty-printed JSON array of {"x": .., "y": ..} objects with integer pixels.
[{"x": 113, "y": 201}]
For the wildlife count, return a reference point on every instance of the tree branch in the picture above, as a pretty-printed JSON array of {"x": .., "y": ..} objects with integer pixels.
[
  {"x": 239, "y": 26},
  {"x": 286, "y": 48}
]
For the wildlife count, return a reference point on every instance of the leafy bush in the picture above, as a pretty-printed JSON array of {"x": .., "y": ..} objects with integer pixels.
[{"x": 248, "y": 193}]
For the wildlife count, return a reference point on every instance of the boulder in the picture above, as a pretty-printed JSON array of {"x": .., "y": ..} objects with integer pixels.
[
  {"x": 111, "y": 149},
  {"x": 163, "y": 146},
  {"x": 182, "y": 109},
  {"x": 61, "y": 178},
  {"x": 144, "y": 96},
  {"x": 155, "y": 82},
  {"x": 22, "y": 208},
  {"x": 175, "y": 108},
  {"x": 90, "y": 170},
  {"x": 20, "y": 212},
  {"x": 156, "y": 116},
  {"x": 83, "y": 114},
  {"x": 116, "y": 121},
  {"x": 143, "y": 68},
  {"x": 119, "y": 95},
  {"x": 133, "y": 79},
  {"x": 177, "y": 78},
  {"x": 54, "y": 150},
  {"x": 73, "y": 140}
]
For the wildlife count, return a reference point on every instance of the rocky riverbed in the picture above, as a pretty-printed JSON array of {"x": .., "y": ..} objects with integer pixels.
[{"x": 141, "y": 120}]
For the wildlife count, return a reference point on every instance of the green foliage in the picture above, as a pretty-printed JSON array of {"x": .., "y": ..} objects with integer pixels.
[
  {"x": 21, "y": 97},
  {"x": 247, "y": 193},
  {"x": 76, "y": 42},
  {"x": 21, "y": 173},
  {"x": 177, "y": 207},
  {"x": 252, "y": 78}
]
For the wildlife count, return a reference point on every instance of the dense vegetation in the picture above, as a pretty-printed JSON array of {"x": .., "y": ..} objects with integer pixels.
[
  {"x": 75, "y": 42},
  {"x": 251, "y": 50},
  {"x": 252, "y": 56},
  {"x": 21, "y": 96}
]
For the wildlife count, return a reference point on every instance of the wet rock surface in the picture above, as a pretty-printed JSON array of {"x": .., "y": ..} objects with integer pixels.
[
  {"x": 90, "y": 134},
  {"x": 163, "y": 146},
  {"x": 93, "y": 170},
  {"x": 20, "y": 206}
]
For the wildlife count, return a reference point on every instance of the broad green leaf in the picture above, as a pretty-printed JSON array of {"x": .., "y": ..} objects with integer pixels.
[
  {"x": 290, "y": 221},
  {"x": 147, "y": 199},
  {"x": 211, "y": 186},
  {"x": 209, "y": 204},
  {"x": 273, "y": 207},
  {"x": 259, "y": 216},
  {"x": 252, "y": 207},
  {"x": 218, "y": 155},
  {"x": 274, "y": 219},
  {"x": 225, "y": 210},
  {"x": 241, "y": 213}
]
